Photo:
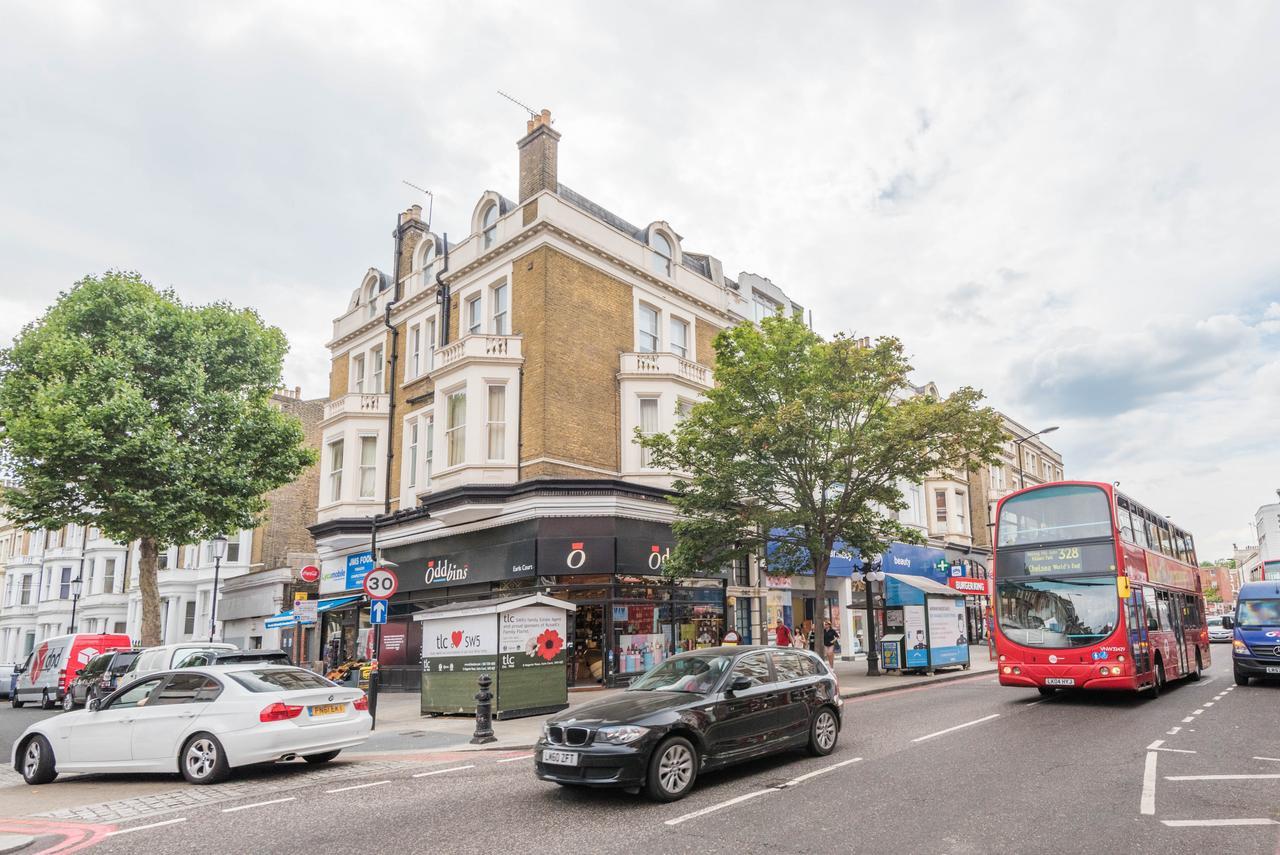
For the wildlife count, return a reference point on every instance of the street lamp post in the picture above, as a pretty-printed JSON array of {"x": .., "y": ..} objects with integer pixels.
[
  {"x": 873, "y": 573},
  {"x": 1017, "y": 453},
  {"x": 76, "y": 584},
  {"x": 219, "y": 544}
]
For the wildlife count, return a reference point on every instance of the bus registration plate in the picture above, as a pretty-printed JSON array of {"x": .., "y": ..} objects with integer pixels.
[{"x": 1059, "y": 681}]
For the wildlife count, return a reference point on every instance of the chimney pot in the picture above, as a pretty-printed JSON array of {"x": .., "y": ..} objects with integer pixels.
[{"x": 538, "y": 157}]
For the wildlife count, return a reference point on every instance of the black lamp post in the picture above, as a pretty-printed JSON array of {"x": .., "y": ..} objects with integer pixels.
[
  {"x": 219, "y": 544},
  {"x": 872, "y": 574},
  {"x": 1017, "y": 452},
  {"x": 76, "y": 584}
]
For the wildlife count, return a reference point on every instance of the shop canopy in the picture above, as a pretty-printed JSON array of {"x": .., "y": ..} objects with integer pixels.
[
  {"x": 489, "y": 607},
  {"x": 284, "y": 619}
]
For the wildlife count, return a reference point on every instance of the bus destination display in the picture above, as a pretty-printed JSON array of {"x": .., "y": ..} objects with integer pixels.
[{"x": 1088, "y": 558}]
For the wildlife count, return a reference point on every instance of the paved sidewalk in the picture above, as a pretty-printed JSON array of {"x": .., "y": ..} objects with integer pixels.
[{"x": 398, "y": 713}]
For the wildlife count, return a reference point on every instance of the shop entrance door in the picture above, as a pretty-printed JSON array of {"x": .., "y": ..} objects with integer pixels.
[{"x": 587, "y": 662}]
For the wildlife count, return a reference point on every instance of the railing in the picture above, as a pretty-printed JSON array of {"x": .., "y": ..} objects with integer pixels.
[
  {"x": 359, "y": 403},
  {"x": 666, "y": 364},
  {"x": 479, "y": 346}
]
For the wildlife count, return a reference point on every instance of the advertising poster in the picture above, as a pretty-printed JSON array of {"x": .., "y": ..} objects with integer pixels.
[
  {"x": 533, "y": 657},
  {"x": 395, "y": 636},
  {"x": 947, "y": 632},
  {"x": 916, "y": 642},
  {"x": 457, "y": 644}
]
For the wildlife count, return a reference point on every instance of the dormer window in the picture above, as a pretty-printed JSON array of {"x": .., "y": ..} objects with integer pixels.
[
  {"x": 371, "y": 297},
  {"x": 489, "y": 225},
  {"x": 428, "y": 255},
  {"x": 662, "y": 253}
]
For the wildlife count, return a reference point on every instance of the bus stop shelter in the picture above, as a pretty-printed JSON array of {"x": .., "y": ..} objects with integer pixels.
[{"x": 927, "y": 620}]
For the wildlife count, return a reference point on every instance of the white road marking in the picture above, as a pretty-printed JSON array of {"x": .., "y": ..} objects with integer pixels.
[
  {"x": 257, "y": 804},
  {"x": 1208, "y": 703},
  {"x": 823, "y": 771},
  {"x": 442, "y": 771},
  {"x": 357, "y": 787},
  {"x": 1207, "y": 680},
  {"x": 1187, "y": 719},
  {"x": 514, "y": 759},
  {"x": 1149, "y": 784},
  {"x": 1189, "y": 823},
  {"x": 1197, "y": 712},
  {"x": 1272, "y": 759},
  {"x": 720, "y": 806},
  {"x": 1176, "y": 750},
  {"x": 1220, "y": 777},
  {"x": 957, "y": 727},
  {"x": 1172, "y": 732},
  {"x": 145, "y": 827}
]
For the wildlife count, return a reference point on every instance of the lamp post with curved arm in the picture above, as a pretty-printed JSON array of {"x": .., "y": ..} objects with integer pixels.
[{"x": 1017, "y": 453}]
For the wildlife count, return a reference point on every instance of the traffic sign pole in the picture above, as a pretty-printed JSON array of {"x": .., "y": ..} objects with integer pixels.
[{"x": 377, "y": 631}]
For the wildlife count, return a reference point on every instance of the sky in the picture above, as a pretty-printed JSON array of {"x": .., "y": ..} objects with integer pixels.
[{"x": 1074, "y": 207}]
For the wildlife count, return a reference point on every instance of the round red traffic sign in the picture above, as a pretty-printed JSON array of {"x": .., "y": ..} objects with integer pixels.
[
  {"x": 310, "y": 573},
  {"x": 380, "y": 583}
]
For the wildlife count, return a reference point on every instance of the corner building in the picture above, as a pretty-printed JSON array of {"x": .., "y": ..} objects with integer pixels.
[{"x": 487, "y": 395}]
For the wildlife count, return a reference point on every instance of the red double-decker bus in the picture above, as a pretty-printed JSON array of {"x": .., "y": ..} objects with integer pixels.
[{"x": 1094, "y": 591}]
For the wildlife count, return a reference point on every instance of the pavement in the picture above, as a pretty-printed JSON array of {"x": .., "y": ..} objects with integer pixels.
[{"x": 959, "y": 765}]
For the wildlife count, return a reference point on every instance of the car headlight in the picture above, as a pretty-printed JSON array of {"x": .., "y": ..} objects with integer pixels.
[
  {"x": 1238, "y": 646},
  {"x": 623, "y": 734}
]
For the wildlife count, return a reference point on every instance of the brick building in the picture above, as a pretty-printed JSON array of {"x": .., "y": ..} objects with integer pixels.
[{"x": 487, "y": 395}]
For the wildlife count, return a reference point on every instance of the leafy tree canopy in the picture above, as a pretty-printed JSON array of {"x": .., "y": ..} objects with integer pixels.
[{"x": 806, "y": 443}]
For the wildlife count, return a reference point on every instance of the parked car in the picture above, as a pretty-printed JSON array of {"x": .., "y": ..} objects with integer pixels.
[
  {"x": 45, "y": 674},
  {"x": 692, "y": 713},
  {"x": 234, "y": 657},
  {"x": 99, "y": 678},
  {"x": 8, "y": 673},
  {"x": 1220, "y": 628},
  {"x": 166, "y": 657},
  {"x": 202, "y": 722}
]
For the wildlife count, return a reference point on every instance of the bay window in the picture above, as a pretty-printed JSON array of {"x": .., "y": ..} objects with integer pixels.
[
  {"x": 496, "y": 423},
  {"x": 335, "y": 471},
  {"x": 368, "y": 466}
]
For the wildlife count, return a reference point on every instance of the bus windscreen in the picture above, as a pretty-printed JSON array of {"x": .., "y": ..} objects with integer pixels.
[{"x": 1057, "y": 514}]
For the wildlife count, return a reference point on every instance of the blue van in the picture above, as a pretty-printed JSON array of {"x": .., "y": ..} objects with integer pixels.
[{"x": 1255, "y": 649}]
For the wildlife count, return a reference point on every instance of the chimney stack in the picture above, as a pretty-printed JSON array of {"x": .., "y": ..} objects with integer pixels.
[{"x": 538, "y": 157}]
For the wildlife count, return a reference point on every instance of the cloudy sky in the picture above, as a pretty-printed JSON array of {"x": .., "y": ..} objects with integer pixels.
[{"x": 1075, "y": 207}]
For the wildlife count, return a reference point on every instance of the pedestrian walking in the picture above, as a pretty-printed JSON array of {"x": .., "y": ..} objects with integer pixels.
[
  {"x": 782, "y": 634},
  {"x": 831, "y": 640}
]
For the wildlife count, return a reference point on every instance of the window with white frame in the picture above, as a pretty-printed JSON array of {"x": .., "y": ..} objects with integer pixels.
[
  {"x": 474, "y": 323},
  {"x": 375, "y": 356},
  {"x": 24, "y": 594},
  {"x": 997, "y": 477},
  {"x": 455, "y": 432},
  {"x": 648, "y": 426},
  {"x": 411, "y": 454},
  {"x": 415, "y": 350},
  {"x": 428, "y": 255},
  {"x": 357, "y": 364},
  {"x": 162, "y": 560},
  {"x": 368, "y": 466},
  {"x": 501, "y": 315},
  {"x": 763, "y": 309},
  {"x": 496, "y": 422},
  {"x": 428, "y": 450},
  {"x": 489, "y": 225},
  {"x": 647, "y": 329},
  {"x": 915, "y": 504},
  {"x": 429, "y": 326},
  {"x": 684, "y": 407},
  {"x": 661, "y": 255},
  {"x": 679, "y": 344},
  {"x": 960, "y": 510},
  {"x": 335, "y": 470},
  {"x": 371, "y": 295},
  {"x": 940, "y": 505},
  {"x": 109, "y": 576}
]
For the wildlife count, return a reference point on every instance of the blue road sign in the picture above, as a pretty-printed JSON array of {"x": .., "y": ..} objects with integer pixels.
[{"x": 377, "y": 611}]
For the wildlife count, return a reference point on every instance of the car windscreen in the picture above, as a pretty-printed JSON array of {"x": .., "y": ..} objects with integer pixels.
[
  {"x": 1255, "y": 614},
  {"x": 280, "y": 680},
  {"x": 97, "y": 665},
  {"x": 696, "y": 674},
  {"x": 1054, "y": 515},
  {"x": 1057, "y": 612}
]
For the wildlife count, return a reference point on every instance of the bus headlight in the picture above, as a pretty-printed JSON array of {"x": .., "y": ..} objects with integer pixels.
[
  {"x": 1008, "y": 670},
  {"x": 1104, "y": 671}
]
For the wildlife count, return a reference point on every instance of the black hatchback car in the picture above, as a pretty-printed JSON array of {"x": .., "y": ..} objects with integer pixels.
[
  {"x": 98, "y": 678},
  {"x": 694, "y": 712}
]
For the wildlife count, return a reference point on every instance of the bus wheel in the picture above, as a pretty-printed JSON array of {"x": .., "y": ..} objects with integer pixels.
[
  {"x": 1195, "y": 675},
  {"x": 1047, "y": 691},
  {"x": 1157, "y": 680}
]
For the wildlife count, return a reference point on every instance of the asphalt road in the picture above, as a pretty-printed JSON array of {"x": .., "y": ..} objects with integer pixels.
[{"x": 953, "y": 768}]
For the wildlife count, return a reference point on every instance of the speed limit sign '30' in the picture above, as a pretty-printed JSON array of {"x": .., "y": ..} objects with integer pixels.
[{"x": 380, "y": 583}]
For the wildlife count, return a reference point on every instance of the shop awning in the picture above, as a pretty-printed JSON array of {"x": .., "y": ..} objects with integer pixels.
[
  {"x": 335, "y": 603},
  {"x": 281, "y": 620},
  {"x": 285, "y": 619}
]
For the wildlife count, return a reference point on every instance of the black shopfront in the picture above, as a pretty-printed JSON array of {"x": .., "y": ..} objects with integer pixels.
[{"x": 628, "y": 616}]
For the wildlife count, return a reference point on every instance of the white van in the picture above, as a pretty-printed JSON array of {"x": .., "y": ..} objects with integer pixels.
[
  {"x": 51, "y": 667},
  {"x": 167, "y": 656}
]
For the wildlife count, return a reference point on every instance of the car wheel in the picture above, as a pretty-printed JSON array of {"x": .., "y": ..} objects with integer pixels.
[
  {"x": 324, "y": 757},
  {"x": 68, "y": 701},
  {"x": 203, "y": 761},
  {"x": 46, "y": 702},
  {"x": 1242, "y": 679},
  {"x": 823, "y": 733},
  {"x": 36, "y": 761},
  {"x": 15, "y": 703},
  {"x": 672, "y": 770}
]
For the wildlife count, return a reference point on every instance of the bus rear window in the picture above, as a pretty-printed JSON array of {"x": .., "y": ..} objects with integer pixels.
[{"x": 1054, "y": 515}]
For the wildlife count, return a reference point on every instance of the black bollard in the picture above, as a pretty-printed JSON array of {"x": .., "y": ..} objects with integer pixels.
[{"x": 484, "y": 714}]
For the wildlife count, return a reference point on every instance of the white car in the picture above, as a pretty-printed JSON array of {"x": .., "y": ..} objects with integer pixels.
[
  {"x": 201, "y": 722},
  {"x": 165, "y": 657},
  {"x": 1221, "y": 628}
]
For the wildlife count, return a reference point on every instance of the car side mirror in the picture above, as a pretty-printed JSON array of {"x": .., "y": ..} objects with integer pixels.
[
  {"x": 1228, "y": 623},
  {"x": 738, "y": 683},
  {"x": 93, "y": 704},
  {"x": 19, "y": 670},
  {"x": 79, "y": 671}
]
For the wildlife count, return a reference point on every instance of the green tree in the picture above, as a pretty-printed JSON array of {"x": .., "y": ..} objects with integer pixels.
[
  {"x": 124, "y": 409},
  {"x": 803, "y": 444},
  {"x": 1211, "y": 594}
]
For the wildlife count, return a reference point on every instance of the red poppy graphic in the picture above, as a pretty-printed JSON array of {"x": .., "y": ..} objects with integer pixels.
[{"x": 549, "y": 644}]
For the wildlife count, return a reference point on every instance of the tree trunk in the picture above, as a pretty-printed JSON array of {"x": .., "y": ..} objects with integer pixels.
[{"x": 147, "y": 553}]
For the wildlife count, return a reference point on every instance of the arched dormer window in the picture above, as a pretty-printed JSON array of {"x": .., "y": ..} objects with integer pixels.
[
  {"x": 661, "y": 254},
  {"x": 428, "y": 255},
  {"x": 371, "y": 296},
  {"x": 489, "y": 224}
]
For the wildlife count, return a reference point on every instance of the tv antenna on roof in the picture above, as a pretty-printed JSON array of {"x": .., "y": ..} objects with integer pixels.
[
  {"x": 532, "y": 112},
  {"x": 431, "y": 198}
]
